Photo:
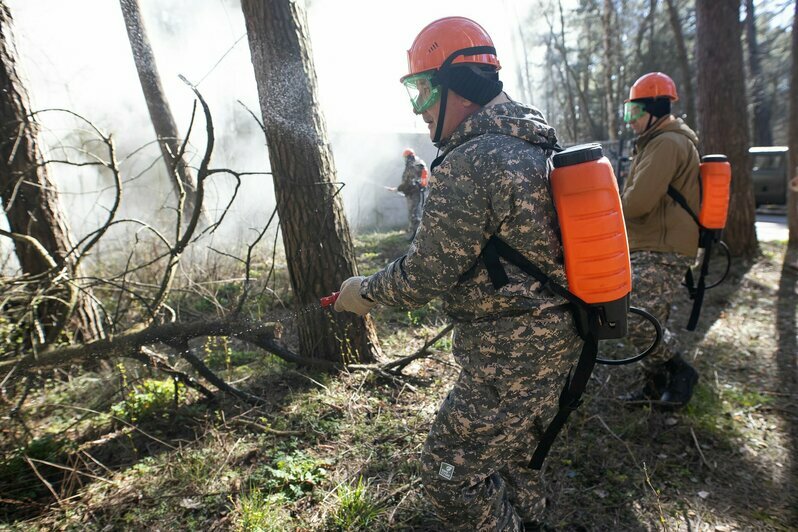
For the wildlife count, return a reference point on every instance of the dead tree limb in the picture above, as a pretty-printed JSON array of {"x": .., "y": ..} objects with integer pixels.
[
  {"x": 395, "y": 367},
  {"x": 131, "y": 341}
]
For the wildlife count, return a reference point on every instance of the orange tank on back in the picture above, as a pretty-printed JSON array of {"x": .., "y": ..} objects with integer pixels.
[
  {"x": 591, "y": 221},
  {"x": 715, "y": 185}
]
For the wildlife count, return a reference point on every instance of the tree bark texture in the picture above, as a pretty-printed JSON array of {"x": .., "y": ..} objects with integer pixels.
[
  {"x": 609, "y": 20},
  {"x": 792, "y": 196},
  {"x": 686, "y": 92},
  {"x": 722, "y": 111},
  {"x": 315, "y": 232},
  {"x": 30, "y": 198},
  {"x": 160, "y": 114},
  {"x": 763, "y": 134}
]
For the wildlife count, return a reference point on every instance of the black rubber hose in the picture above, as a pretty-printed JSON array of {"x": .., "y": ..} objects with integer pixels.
[{"x": 657, "y": 340}]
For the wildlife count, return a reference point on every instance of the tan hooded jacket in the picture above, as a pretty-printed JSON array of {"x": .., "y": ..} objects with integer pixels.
[{"x": 664, "y": 155}]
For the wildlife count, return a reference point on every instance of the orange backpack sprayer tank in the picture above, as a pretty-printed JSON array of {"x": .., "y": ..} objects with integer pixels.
[
  {"x": 593, "y": 234},
  {"x": 715, "y": 185},
  {"x": 711, "y": 219}
]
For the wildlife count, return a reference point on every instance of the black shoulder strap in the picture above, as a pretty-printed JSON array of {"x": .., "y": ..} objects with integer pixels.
[
  {"x": 496, "y": 247},
  {"x": 679, "y": 198}
]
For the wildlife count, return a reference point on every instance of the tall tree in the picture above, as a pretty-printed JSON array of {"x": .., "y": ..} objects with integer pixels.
[
  {"x": 31, "y": 202},
  {"x": 609, "y": 21},
  {"x": 160, "y": 114},
  {"x": 316, "y": 236},
  {"x": 687, "y": 93},
  {"x": 722, "y": 111},
  {"x": 792, "y": 196},
  {"x": 763, "y": 134}
]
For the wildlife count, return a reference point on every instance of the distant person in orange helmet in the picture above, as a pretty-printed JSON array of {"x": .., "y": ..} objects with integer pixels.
[
  {"x": 663, "y": 237},
  {"x": 414, "y": 187}
]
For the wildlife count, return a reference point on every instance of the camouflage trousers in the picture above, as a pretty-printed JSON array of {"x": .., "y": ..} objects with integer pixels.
[
  {"x": 474, "y": 462},
  {"x": 656, "y": 279},
  {"x": 415, "y": 208}
]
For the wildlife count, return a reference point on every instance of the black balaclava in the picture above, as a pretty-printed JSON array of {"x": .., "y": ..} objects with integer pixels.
[
  {"x": 480, "y": 85},
  {"x": 656, "y": 108}
]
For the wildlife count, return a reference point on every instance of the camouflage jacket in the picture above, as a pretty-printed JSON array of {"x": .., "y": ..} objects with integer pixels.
[
  {"x": 411, "y": 177},
  {"x": 493, "y": 180}
]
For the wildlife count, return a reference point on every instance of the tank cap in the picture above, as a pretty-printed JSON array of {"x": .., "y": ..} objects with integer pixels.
[
  {"x": 581, "y": 153},
  {"x": 714, "y": 158}
]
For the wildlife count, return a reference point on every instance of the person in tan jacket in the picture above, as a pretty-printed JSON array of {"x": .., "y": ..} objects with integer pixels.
[{"x": 663, "y": 238}]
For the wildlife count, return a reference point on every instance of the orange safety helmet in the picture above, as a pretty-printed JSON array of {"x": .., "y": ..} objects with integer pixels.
[
  {"x": 441, "y": 38},
  {"x": 408, "y": 152},
  {"x": 653, "y": 85}
]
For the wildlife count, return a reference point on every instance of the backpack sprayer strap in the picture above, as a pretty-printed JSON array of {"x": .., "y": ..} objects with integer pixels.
[
  {"x": 680, "y": 199},
  {"x": 571, "y": 395},
  {"x": 586, "y": 318},
  {"x": 496, "y": 248},
  {"x": 706, "y": 237},
  {"x": 570, "y": 399}
]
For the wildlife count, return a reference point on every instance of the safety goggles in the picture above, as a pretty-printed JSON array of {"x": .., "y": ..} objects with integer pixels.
[
  {"x": 423, "y": 93},
  {"x": 632, "y": 111}
]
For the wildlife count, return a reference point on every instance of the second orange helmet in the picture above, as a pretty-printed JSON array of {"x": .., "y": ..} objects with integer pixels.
[{"x": 653, "y": 85}]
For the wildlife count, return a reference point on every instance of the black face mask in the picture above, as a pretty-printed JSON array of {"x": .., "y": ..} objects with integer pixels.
[
  {"x": 659, "y": 107},
  {"x": 478, "y": 89}
]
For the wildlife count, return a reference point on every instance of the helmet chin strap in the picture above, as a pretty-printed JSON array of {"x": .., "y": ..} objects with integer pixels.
[
  {"x": 436, "y": 139},
  {"x": 442, "y": 79},
  {"x": 650, "y": 121}
]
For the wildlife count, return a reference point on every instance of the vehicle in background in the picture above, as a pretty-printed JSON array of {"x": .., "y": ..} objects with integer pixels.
[{"x": 770, "y": 176}]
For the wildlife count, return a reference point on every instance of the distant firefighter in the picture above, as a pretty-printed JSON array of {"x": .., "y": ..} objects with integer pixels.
[{"x": 414, "y": 187}]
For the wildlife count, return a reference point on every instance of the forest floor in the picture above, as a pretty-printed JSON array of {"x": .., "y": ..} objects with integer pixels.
[{"x": 119, "y": 450}]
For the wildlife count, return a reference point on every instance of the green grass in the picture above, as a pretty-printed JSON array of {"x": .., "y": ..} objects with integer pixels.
[
  {"x": 152, "y": 398},
  {"x": 290, "y": 475},
  {"x": 255, "y": 511},
  {"x": 356, "y": 508}
]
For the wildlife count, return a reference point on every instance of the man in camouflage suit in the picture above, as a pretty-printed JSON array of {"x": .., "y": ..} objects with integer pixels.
[
  {"x": 663, "y": 238},
  {"x": 414, "y": 187},
  {"x": 515, "y": 344}
]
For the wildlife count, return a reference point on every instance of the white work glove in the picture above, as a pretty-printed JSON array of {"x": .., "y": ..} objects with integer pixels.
[{"x": 350, "y": 300}]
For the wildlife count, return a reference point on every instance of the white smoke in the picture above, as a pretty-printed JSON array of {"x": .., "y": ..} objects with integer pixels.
[{"x": 76, "y": 55}]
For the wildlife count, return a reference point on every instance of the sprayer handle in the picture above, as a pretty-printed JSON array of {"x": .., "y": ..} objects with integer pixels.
[{"x": 329, "y": 300}]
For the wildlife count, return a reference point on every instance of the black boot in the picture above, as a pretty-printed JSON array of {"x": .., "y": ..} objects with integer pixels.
[
  {"x": 655, "y": 385},
  {"x": 683, "y": 378}
]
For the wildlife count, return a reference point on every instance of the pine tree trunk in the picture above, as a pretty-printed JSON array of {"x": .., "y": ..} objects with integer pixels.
[
  {"x": 792, "y": 196},
  {"x": 722, "y": 111},
  {"x": 608, "y": 18},
  {"x": 160, "y": 114},
  {"x": 763, "y": 136},
  {"x": 30, "y": 199},
  {"x": 315, "y": 232},
  {"x": 686, "y": 92}
]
